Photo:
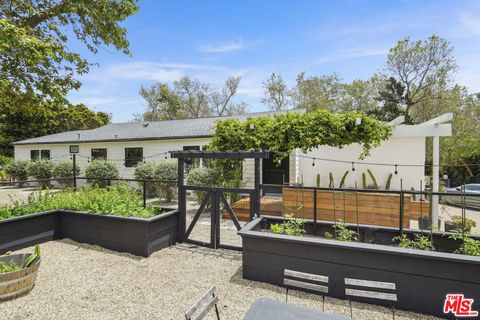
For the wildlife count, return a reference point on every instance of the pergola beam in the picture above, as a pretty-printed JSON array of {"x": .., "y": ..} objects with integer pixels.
[
  {"x": 438, "y": 120},
  {"x": 397, "y": 121}
]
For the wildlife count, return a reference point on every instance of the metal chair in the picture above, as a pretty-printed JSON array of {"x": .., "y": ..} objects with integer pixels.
[
  {"x": 307, "y": 281},
  {"x": 384, "y": 291},
  {"x": 210, "y": 299}
]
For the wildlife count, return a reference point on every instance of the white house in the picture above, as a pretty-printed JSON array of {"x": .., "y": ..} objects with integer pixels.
[{"x": 130, "y": 143}]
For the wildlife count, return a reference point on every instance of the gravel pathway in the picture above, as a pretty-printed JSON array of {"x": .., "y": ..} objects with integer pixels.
[{"x": 79, "y": 281}]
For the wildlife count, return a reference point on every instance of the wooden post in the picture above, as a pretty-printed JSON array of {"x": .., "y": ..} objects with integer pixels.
[{"x": 401, "y": 207}]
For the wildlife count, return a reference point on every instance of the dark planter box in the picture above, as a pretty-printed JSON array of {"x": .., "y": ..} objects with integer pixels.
[
  {"x": 134, "y": 235},
  {"x": 422, "y": 278}
]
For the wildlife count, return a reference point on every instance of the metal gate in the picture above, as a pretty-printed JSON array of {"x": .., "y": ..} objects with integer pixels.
[{"x": 213, "y": 216}]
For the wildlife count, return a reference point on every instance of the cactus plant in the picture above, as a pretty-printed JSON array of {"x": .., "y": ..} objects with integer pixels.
[
  {"x": 318, "y": 179},
  {"x": 389, "y": 182},
  {"x": 342, "y": 182},
  {"x": 375, "y": 184},
  {"x": 330, "y": 176},
  {"x": 364, "y": 181}
]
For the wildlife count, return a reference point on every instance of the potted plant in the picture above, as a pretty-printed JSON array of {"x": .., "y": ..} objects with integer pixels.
[
  {"x": 18, "y": 273},
  {"x": 456, "y": 224}
]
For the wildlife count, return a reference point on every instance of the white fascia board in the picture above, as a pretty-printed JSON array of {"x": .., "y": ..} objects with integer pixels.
[
  {"x": 397, "y": 121},
  {"x": 422, "y": 130}
]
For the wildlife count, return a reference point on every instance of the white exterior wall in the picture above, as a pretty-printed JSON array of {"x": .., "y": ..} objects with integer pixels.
[
  {"x": 396, "y": 150},
  {"x": 115, "y": 151},
  {"x": 406, "y": 150}
]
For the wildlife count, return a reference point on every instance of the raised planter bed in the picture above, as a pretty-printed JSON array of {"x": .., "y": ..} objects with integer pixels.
[
  {"x": 422, "y": 278},
  {"x": 138, "y": 236}
]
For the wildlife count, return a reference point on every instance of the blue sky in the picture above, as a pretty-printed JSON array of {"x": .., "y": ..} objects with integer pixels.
[{"x": 212, "y": 40}]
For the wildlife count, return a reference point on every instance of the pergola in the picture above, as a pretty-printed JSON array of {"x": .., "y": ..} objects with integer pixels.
[{"x": 435, "y": 128}]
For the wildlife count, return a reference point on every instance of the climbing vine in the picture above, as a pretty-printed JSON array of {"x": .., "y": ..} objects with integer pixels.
[{"x": 286, "y": 132}]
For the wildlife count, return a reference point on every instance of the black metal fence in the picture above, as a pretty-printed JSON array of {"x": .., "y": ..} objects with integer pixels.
[
  {"x": 311, "y": 203},
  {"x": 151, "y": 190}
]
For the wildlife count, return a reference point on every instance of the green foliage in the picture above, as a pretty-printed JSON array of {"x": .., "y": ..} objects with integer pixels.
[
  {"x": 318, "y": 179},
  {"x": 17, "y": 170},
  {"x": 374, "y": 181},
  {"x": 64, "y": 169},
  {"x": 4, "y": 160},
  {"x": 41, "y": 169},
  {"x": 5, "y": 268},
  {"x": 342, "y": 233},
  {"x": 35, "y": 35},
  {"x": 117, "y": 200},
  {"x": 389, "y": 182},
  {"x": 342, "y": 182},
  {"x": 469, "y": 245},
  {"x": 284, "y": 133},
  {"x": 364, "y": 181},
  {"x": 100, "y": 169},
  {"x": 164, "y": 170},
  {"x": 203, "y": 177},
  {"x": 50, "y": 117},
  {"x": 190, "y": 98},
  {"x": 331, "y": 182},
  {"x": 291, "y": 226},
  {"x": 419, "y": 242}
]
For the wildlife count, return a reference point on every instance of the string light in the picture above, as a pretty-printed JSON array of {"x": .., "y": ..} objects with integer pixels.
[
  {"x": 353, "y": 166},
  {"x": 313, "y": 162},
  {"x": 396, "y": 169}
]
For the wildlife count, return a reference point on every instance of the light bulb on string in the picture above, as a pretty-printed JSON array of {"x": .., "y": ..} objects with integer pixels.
[
  {"x": 353, "y": 166},
  {"x": 396, "y": 169},
  {"x": 313, "y": 162}
]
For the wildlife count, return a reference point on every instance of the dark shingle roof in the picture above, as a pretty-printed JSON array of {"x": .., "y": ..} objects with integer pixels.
[{"x": 153, "y": 130}]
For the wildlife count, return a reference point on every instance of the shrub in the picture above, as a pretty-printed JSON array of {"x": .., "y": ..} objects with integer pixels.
[
  {"x": 167, "y": 171},
  {"x": 98, "y": 170},
  {"x": 456, "y": 223},
  {"x": 17, "y": 170},
  {"x": 41, "y": 169},
  {"x": 64, "y": 169},
  {"x": 147, "y": 171},
  {"x": 117, "y": 200},
  {"x": 469, "y": 245},
  {"x": 4, "y": 160},
  {"x": 203, "y": 177},
  {"x": 164, "y": 170}
]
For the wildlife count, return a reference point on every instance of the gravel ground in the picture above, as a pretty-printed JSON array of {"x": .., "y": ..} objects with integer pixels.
[{"x": 79, "y": 281}]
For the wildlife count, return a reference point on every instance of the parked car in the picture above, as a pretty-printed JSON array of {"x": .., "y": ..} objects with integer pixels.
[{"x": 471, "y": 197}]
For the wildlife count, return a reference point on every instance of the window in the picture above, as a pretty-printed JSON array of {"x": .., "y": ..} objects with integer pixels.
[
  {"x": 34, "y": 155},
  {"x": 39, "y": 154},
  {"x": 45, "y": 154},
  {"x": 99, "y": 154},
  {"x": 133, "y": 156}
]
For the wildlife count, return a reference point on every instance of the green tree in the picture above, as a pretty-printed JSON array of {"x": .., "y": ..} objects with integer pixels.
[
  {"x": 50, "y": 117},
  {"x": 35, "y": 57},
  {"x": 317, "y": 92},
  {"x": 276, "y": 93},
  {"x": 190, "y": 98},
  {"x": 422, "y": 70}
]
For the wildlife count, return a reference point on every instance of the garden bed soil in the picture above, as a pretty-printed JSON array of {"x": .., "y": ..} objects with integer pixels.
[
  {"x": 139, "y": 236},
  {"x": 422, "y": 278}
]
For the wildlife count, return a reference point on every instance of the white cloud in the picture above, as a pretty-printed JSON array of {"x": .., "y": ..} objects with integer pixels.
[
  {"x": 223, "y": 46},
  {"x": 471, "y": 23}
]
